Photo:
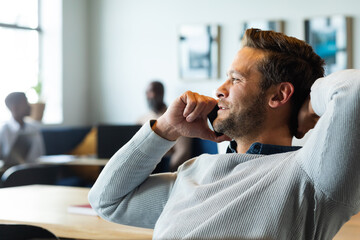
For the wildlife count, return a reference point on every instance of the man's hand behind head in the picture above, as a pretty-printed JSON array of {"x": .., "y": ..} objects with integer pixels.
[{"x": 307, "y": 118}]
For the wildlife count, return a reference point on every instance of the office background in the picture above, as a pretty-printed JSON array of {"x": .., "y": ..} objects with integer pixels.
[{"x": 111, "y": 49}]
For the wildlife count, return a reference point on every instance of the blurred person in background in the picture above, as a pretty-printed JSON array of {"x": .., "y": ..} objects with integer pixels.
[
  {"x": 182, "y": 149},
  {"x": 20, "y": 140}
]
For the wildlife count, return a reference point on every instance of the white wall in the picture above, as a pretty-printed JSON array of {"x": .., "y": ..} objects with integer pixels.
[
  {"x": 134, "y": 41},
  {"x": 51, "y": 60},
  {"x": 75, "y": 65}
]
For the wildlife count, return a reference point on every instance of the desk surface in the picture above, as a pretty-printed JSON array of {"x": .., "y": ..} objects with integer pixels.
[
  {"x": 72, "y": 160},
  {"x": 46, "y": 206},
  {"x": 351, "y": 229}
]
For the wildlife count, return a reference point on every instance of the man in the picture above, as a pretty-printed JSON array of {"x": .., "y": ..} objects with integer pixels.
[
  {"x": 182, "y": 149},
  {"x": 20, "y": 141},
  {"x": 155, "y": 101},
  {"x": 266, "y": 189}
]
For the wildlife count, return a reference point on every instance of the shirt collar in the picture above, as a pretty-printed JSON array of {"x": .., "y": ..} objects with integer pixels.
[
  {"x": 14, "y": 125},
  {"x": 265, "y": 149}
]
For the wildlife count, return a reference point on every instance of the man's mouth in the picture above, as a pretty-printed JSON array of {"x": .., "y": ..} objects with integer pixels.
[{"x": 223, "y": 108}]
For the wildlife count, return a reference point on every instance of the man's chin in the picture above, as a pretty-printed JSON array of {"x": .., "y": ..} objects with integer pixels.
[
  {"x": 218, "y": 126},
  {"x": 218, "y": 120}
]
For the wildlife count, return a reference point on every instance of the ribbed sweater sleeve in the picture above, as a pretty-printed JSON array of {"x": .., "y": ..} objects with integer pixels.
[
  {"x": 331, "y": 155},
  {"x": 119, "y": 192}
]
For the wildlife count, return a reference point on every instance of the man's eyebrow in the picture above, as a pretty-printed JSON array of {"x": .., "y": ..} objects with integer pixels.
[{"x": 237, "y": 72}]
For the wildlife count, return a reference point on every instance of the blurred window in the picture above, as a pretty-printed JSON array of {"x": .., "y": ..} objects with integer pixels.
[{"x": 19, "y": 49}]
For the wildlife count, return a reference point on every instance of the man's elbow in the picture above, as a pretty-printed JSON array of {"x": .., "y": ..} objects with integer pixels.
[
  {"x": 94, "y": 200},
  {"x": 102, "y": 208}
]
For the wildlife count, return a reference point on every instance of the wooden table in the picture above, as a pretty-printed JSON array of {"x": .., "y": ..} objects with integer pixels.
[
  {"x": 73, "y": 160},
  {"x": 46, "y": 206},
  {"x": 351, "y": 230}
]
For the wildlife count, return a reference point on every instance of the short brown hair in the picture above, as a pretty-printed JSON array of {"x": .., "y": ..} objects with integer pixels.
[{"x": 287, "y": 59}]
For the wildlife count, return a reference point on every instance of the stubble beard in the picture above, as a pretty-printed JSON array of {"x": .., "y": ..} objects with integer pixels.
[
  {"x": 246, "y": 123},
  {"x": 155, "y": 105}
]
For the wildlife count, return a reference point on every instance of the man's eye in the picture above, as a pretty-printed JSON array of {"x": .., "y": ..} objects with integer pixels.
[{"x": 235, "y": 80}]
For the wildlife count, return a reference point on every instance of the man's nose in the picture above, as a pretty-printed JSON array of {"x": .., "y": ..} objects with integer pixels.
[{"x": 223, "y": 90}]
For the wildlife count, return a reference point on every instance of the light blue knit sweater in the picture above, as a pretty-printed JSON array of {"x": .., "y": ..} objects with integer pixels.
[{"x": 306, "y": 194}]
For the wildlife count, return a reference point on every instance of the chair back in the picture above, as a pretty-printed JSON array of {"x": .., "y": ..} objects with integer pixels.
[
  {"x": 26, "y": 174},
  {"x": 25, "y": 232},
  {"x": 111, "y": 138}
]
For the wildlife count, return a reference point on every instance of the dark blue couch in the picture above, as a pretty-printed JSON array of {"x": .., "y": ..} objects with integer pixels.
[{"x": 61, "y": 140}]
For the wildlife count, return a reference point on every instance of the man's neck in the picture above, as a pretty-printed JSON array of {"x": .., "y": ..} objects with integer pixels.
[{"x": 20, "y": 121}]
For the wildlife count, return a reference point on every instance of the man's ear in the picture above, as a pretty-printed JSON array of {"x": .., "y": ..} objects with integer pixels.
[{"x": 281, "y": 94}]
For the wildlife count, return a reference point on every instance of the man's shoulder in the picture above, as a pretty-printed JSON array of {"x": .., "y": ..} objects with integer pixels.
[
  {"x": 33, "y": 127},
  {"x": 2, "y": 124},
  {"x": 5, "y": 126},
  {"x": 33, "y": 123}
]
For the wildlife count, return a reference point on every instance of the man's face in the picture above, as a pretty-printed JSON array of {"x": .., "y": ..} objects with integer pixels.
[
  {"x": 242, "y": 103},
  {"x": 21, "y": 108},
  {"x": 153, "y": 99},
  {"x": 150, "y": 93}
]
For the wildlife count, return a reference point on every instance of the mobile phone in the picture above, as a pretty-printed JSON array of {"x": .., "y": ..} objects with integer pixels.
[{"x": 211, "y": 116}]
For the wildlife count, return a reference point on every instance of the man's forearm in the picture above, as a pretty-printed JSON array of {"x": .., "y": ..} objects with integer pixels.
[{"x": 122, "y": 185}]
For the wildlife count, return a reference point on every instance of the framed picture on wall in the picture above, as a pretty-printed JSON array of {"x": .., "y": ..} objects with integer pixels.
[
  {"x": 331, "y": 39},
  {"x": 275, "y": 25},
  {"x": 199, "y": 47}
]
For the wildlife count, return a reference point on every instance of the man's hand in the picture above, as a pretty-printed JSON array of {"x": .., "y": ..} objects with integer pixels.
[
  {"x": 307, "y": 119},
  {"x": 187, "y": 116}
]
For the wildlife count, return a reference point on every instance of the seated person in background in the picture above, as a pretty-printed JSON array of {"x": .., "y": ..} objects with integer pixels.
[
  {"x": 20, "y": 141},
  {"x": 182, "y": 149},
  {"x": 155, "y": 100},
  {"x": 265, "y": 188}
]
